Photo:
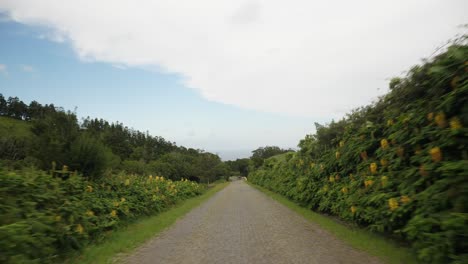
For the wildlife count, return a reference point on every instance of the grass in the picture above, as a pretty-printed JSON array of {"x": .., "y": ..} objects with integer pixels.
[
  {"x": 14, "y": 127},
  {"x": 127, "y": 239},
  {"x": 383, "y": 248}
]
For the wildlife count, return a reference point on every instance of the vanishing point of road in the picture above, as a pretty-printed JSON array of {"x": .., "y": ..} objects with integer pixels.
[{"x": 239, "y": 224}]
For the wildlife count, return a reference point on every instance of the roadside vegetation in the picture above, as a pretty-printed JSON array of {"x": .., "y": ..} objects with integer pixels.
[
  {"x": 66, "y": 184},
  {"x": 397, "y": 167}
]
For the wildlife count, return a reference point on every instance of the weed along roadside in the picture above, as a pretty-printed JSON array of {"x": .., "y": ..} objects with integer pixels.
[
  {"x": 124, "y": 240},
  {"x": 383, "y": 248}
]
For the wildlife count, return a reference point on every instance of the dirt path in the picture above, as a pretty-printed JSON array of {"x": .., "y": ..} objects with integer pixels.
[{"x": 242, "y": 225}]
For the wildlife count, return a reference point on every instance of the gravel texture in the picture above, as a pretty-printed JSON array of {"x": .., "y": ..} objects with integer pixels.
[{"x": 240, "y": 224}]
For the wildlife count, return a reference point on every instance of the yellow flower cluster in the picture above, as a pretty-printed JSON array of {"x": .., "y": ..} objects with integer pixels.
[
  {"x": 113, "y": 213},
  {"x": 337, "y": 155},
  {"x": 341, "y": 143},
  {"x": 344, "y": 190},
  {"x": 79, "y": 228},
  {"x": 89, "y": 188},
  {"x": 405, "y": 199},
  {"x": 440, "y": 120},
  {"x": 373, "y": 168},
  {"x": 436, "y": 154},
  {"x": 390, "y": 122},
  {"x": 384, "y": 143},
  {"x": 312, "y": 165},
  {"x": 392, "y": 203},
  {"x": 127, "y": 182},
  {"x": 331, "y": 179},
  {"x": 353, "y": 209},
  {"x": 455, "y": 123},
  {"x": 89, "y": 213},
  {"x": 384, "y": 162},
  {"x": 368, "y": 183},
  {"x": 430, "y": 116}
]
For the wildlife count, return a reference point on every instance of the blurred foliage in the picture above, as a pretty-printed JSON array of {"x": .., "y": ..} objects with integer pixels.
[
  {"x": 42, "y": 217},
  {"x": 398, "y": 166}
]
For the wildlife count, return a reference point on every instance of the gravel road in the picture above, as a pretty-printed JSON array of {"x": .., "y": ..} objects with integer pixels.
[{"x": 240, "y": 224}]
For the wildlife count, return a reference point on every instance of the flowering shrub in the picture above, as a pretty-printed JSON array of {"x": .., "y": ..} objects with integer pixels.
[
  {"x": 403, "y": 162},
  {"x": 42, "y": 217}
]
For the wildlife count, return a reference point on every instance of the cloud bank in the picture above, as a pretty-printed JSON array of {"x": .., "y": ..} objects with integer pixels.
[{"x": 305, "y": 58}]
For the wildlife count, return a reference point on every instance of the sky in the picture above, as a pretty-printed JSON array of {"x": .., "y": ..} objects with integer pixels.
[{"x": 223, "y": 76}]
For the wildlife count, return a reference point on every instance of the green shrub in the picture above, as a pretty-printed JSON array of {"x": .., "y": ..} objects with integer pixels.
[
  {"x": 42, "y": 218},
  {"x": 399, "y": 166}
]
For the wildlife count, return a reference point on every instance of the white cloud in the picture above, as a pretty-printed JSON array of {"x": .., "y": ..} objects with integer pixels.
[
  {"x": 3, "y": 69},
  {"x": 27, "y": 68},
  {"x": 311, "y": 58}
]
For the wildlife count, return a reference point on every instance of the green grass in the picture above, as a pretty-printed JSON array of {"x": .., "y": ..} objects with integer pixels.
[
  {"x": 127, "y": 239},
  {"x": 386, "y": 250},
  {"x": 14, "y": 127}
]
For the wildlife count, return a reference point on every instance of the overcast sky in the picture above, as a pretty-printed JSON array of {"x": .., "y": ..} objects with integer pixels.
[{"x": 248, "y": 73}]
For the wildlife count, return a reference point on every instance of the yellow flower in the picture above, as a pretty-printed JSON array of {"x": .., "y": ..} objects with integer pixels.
[
  {"x": 341, "y": 143},
  {"x": 455, "y": 123},
  {"x": 58, "y": 218},
  {"x": 79, "y": 228},
  {"x": 436, "y": 154},
  {"x": 337, "y": 154},
  {"x": 89, "y": 213},
  {"x": 116, "y": 204},
  {"x": 353, "y": 209},
  {"x": 384, "y": 181},
  {"x": 384, "y": 143},
  {"x": 122, "y": 199},
  {"x": 127, "y": 182},
  {"x": 393, "y": 203},
  {"x": 154, "y": 198},
  {"x": 368, "y": 183},
  {"x": 405, "y": 199},
  {"x": 312, "y": 164},
  {"x": 430, "y": 116},
  {"x": 65, "y": 168},
  {"x": 390, "y": 122},
  {"x": 383, "y": 162},
  {"x": 373, "y": 168},
  {"x": 331, "y": 179},
  {"x": 440, "y": 120},
  {"x": 113, "y": 213},
  {"x": 89, "y": 188},
  {"x": 150, "y": 177},
  {"x": 344, "y": 190}
]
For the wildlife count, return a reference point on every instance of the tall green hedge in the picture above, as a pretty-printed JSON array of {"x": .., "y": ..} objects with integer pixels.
[
  {"x": 42, "y": 218},
  {"x": 399, "y": 166}
]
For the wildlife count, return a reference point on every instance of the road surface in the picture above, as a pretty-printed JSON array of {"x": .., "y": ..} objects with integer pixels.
[{"x": 239, "y": 225}]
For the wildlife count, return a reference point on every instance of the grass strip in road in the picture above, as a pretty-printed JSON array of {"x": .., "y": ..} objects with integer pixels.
[
  {"x": 128, "y": 238},
  {"x": 383, "y": 248}
]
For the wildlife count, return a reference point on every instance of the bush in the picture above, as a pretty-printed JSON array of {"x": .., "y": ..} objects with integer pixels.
[
  {"x": 398, "y": 167},
  {"x": 42, "y": 218}
]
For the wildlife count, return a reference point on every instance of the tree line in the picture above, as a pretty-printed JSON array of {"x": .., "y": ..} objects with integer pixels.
[{"x": 55, "y": 138}]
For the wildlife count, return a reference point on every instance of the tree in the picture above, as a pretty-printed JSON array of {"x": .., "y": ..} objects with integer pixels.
[{"x": 259, "y": 155}]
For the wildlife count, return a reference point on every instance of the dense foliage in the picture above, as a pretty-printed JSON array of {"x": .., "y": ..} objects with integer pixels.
[
  {"x": 44, "y": 217},
  {"x": 398, "y": 166},
  {"x": 49, "y": 134}
]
